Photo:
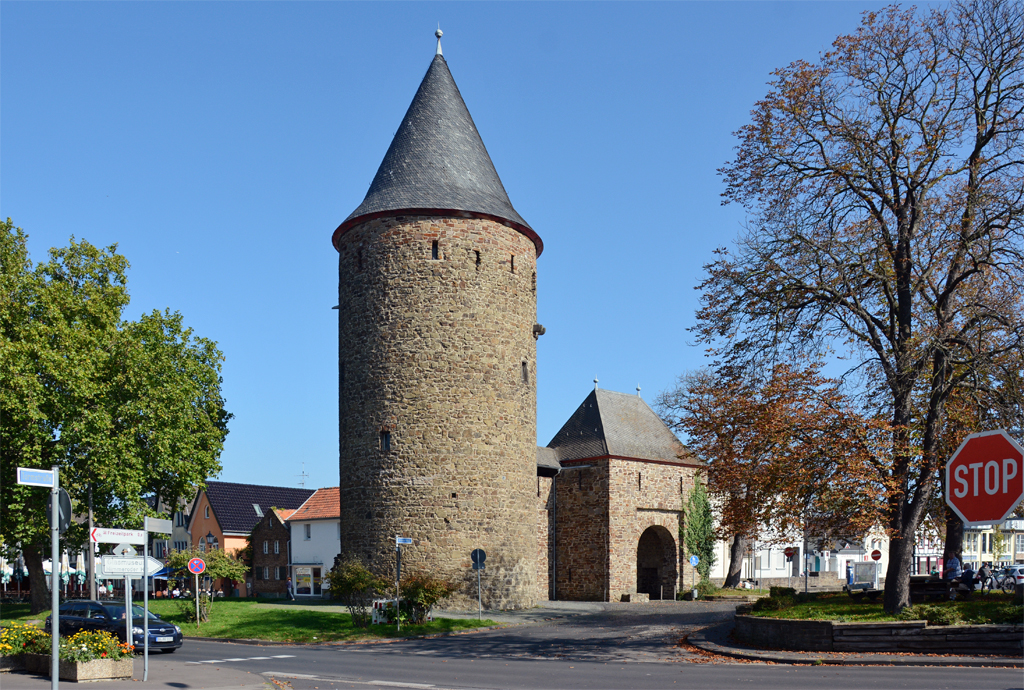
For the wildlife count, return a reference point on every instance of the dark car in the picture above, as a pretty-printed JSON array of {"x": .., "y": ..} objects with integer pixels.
[{"x": 94, "y": 616}]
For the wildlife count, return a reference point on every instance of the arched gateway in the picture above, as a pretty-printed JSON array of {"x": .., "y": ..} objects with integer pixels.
[{"x": 656, "y": 563}]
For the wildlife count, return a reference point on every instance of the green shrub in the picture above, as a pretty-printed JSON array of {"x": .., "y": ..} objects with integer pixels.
[
  {"x": 1008, "y": 613},
  {"x": 706, "y": 588},
  {"x": 776, "y": 592},
  {"x": 422, "y": 591},
  {"x": 356, "y": 586},
  {"x": 770, "y": 603},
  {"x": 934, "y": 614}
]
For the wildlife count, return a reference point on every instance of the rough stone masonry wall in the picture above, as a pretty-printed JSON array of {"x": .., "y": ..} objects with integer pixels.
[
  {"x": 434, "y": 352},
  {"x": 581, "y": 532},
  {"x": 642, "y": 495},
  {"x": 544, "y": 527}
]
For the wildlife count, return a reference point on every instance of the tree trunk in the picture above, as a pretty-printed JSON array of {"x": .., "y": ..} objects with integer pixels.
[
  {"x": 40, "y": 595},
  {"x": 897, "y": 574},
  {"x": 954, "y": 536},
  {"x": 739, "y": 545}
]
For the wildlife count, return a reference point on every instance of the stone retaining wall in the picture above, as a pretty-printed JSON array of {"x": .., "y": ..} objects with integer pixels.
[{"x": 902, "y": 636}]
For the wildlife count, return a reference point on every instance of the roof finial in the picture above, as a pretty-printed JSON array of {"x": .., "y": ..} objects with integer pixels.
[
  {"x": 439, "y": 34},
  {"x": 638, "y": 390},
  {"x": 595, "y": 384}
]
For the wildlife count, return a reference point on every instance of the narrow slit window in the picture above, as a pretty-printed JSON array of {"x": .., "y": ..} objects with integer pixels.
[
  {"x": 512, "y": 262},
  {"x": 533, "y": 282},
  {"x": 526, "y": 373},
  {"x": 385, "y": 441},
  {"x": 433, "y": 250},
  {"x": 639, "y": 480},
  {"x": 477, "y": 260},
  {"x": 359, "y": 258}
]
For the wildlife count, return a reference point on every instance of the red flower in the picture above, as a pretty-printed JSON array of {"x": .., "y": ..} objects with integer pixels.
[{"x": 103, "y": 654}]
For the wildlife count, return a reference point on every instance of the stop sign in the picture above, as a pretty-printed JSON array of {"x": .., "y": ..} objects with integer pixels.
[{"x": 985, "y": 477}]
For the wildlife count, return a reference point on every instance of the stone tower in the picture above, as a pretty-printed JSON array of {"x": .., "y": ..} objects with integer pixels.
[{"x": 437, "y": 358}]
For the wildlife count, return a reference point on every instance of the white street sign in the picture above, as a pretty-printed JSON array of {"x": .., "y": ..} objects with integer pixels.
[
  {"x": 32, "y": 477},
  {"x": 158, "y": 525},
  {"x": 114, "y": 566},
  {"x": 115, "y": 536}
]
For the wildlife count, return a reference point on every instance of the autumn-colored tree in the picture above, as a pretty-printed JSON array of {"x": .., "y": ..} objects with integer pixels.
[
  {"x": 784, "y": 449},
  {"x": 885, "y": 187}
]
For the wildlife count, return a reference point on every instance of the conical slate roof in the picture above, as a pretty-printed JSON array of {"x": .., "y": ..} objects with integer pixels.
[
  {"x": 437, "y": 164},
  {"x": 620, "y": 425}
]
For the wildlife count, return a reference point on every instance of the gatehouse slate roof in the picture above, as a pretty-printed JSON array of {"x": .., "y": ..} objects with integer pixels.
[
  {"x": 234, "y": 505},
  {"x": 620, "y": 425},
  {"x": 547, "y": 462},
  {"x": 437, "y": 164}
]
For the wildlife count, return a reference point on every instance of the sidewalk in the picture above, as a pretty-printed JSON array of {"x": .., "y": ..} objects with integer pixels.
[
  {"x": 715, "y": 640},
  {"x": 164, "y": 674}
]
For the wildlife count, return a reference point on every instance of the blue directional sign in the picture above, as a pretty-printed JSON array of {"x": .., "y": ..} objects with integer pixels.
[
  {"x": 403, "y": 540},
  {"x": 694, "y": 561}
]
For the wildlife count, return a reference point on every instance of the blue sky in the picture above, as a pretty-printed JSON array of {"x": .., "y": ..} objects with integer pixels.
[{"x": 220, "y": 143}]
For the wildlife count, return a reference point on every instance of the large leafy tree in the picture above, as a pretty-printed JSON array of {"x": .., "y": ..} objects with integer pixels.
[
  {"x": 786, "y": 453},
  {"x": 125, "y": 409},
  {"x": 885, "y": 186}
]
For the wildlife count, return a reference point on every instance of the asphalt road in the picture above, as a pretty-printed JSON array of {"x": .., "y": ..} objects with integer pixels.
[{"x": 620, "y": 648}]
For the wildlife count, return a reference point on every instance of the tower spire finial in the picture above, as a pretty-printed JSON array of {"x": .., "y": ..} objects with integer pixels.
[{"x": 439, "y": 34}]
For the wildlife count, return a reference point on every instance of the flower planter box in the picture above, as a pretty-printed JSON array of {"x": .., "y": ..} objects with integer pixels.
[
  {"x": 12, "y": 663},
  {"x": 81, "y": 671}
]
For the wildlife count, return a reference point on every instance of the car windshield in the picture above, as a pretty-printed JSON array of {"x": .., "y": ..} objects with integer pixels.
[{"x": 117, "y": 612}]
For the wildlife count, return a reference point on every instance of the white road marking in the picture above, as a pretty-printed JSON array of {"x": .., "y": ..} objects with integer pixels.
[{"x": 248, "y": 658}]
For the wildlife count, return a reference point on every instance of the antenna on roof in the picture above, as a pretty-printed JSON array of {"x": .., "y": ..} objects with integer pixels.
[
  {"x": 439, "y": 34},
  {"x": 303, "y": 476}
]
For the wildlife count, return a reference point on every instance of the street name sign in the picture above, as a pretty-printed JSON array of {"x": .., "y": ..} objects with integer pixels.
[
  {"x": 985, "y": 478},
  {"x": 115, "y": 566},
  {"x": 158, "y": 525},
  {"x": 114, "y": 536},
  {"x": 33, "y": 477},
  {"x": 402, "y": 540}
]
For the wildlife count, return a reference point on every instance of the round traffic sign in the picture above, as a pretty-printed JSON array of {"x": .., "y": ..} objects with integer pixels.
[
  {"x": 478, "y": 556},
  {"x": 196, "y": 566},
  {"x": 694, "y": 561},
  {"x": 790, "y": 552},
  {"x": 876, "y": 555},
  {"x": 985, "y": 477}
]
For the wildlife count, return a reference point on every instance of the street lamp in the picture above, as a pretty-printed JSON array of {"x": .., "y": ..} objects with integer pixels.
[{"x": 210, "y": 541}]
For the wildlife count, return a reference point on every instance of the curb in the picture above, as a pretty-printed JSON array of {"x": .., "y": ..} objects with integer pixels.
[{"x": 699, "y": 639}]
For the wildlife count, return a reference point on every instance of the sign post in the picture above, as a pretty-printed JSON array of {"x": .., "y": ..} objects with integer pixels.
[
  {"x": 148, "y": 525},
  {"x": 196, "y": 566},
  {"x": 399, "y": 540},
  {"x": 50, "y": 479},
  {"x": 985, "y": 478},
  {"x": 478, "y": 557},
  {"x": 694, "y": 560},
  {"x": 789, "y": 559}
]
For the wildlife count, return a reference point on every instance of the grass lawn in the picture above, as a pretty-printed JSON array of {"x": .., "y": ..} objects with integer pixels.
[
  {"x": 840, "y": 607},
  {"x": 281, "y": 622}
]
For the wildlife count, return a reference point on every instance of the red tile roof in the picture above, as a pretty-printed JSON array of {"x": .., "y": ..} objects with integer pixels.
[{"x": 322, "y": 505}]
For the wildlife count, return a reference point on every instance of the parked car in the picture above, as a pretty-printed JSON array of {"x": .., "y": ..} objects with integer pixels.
[
  {"x": 1009, "y": 577},
  {"x": 107, "y": 617}
]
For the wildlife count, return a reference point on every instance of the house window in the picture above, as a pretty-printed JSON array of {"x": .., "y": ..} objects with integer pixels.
[
  {"x": 433, "y": 250},
  {"x": 202, "y": 546},
  {"x": 385, "y": 441},
  {"x": 1020, "y": 543},
  {"x": 207, "y": 511},
  {"x": 277, "y": 546},
  {"x": 266, "y": 546},
  {"x": 307, "y": 530},
  {"x": 266, "y": 573},
  {"x": 277, "y": 572},
  {"x": 179, "y": 519}
]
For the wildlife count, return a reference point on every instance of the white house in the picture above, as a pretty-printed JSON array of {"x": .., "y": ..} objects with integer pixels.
[{"x": 316, "y": 540}]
